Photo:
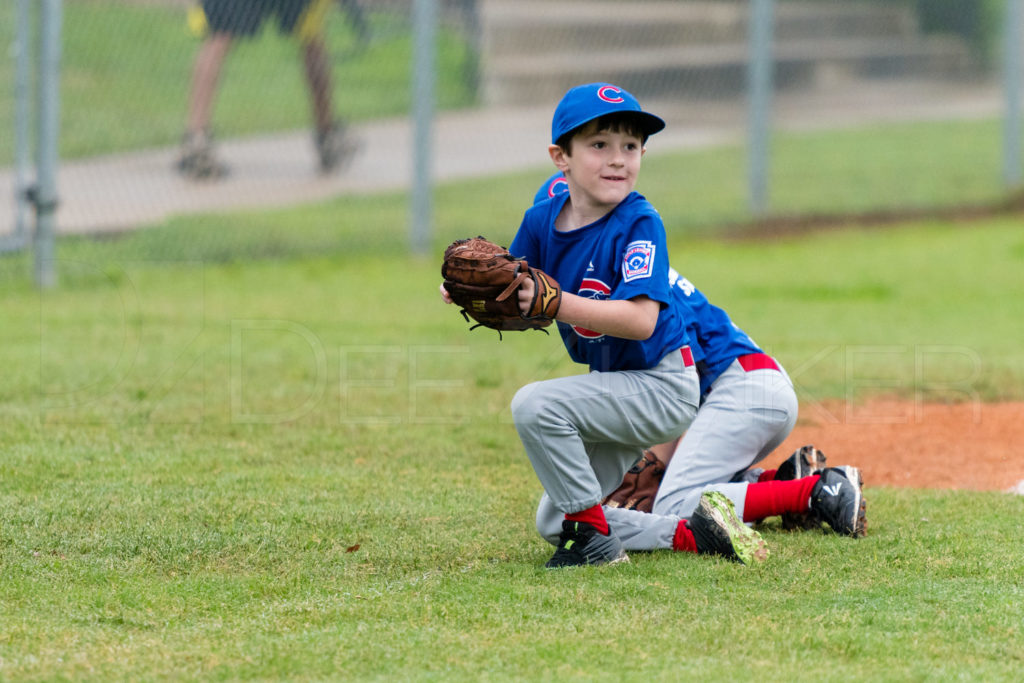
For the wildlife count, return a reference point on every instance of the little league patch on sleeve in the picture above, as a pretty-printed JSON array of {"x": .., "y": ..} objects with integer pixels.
[{"x": 638, "y": 261}]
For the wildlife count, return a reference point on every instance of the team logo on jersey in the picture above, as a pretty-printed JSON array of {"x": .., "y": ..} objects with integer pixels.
[
  {"x": 592, "y": 288},
  {"x": 638, "y": 261},
  {"x": 610, "y": 93},
  {"x": 558, "y": 186}
]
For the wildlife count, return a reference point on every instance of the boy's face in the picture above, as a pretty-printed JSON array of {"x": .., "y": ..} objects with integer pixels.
[{"x": 602, "y": 168}]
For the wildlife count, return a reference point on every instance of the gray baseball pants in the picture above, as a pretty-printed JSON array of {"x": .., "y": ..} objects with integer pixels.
[
  {"x": 583, "y": 432},
  {"x": 744, "y": 418}
]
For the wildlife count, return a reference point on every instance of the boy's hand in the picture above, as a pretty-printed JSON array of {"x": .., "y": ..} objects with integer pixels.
[
  {"x": 526, "y": 296},
  {"x": 540, "y": 296},
  {"x": 445, "y": 296}
]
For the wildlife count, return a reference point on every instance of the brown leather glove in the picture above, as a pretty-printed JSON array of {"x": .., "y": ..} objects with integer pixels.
[
  {"x": 483, "y": 279},
  {"x": 640, "y": 485}
]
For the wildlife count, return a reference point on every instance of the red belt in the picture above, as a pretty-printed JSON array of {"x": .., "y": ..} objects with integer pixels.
[
  {"x": 757, "y": 361},
  {"x": 687, "y": 356}
]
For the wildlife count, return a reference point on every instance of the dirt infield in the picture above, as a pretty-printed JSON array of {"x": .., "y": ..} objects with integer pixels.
[{"x": 971, "y": 446}]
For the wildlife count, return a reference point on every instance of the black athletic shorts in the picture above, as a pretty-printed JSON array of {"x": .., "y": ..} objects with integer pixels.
[{"x": 245, "y": 17}]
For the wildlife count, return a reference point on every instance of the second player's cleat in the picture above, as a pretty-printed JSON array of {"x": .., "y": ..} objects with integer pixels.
[
  {"x": 581, "y": 544},
  {"x": 838, "y": 500},
  {"x": 804, "y": 462},
  {"x": 718, "y": 530}
]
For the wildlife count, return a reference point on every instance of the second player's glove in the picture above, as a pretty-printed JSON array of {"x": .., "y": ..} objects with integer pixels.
[{"x": 640, "y": 485}]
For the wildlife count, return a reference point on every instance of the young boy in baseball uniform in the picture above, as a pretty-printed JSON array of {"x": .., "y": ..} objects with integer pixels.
[
  {"x": 605, "y": 244},
  {"x": 747, "y": 408}
]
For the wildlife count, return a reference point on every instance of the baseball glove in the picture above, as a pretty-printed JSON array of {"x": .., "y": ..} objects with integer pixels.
[
  {"x": 483, "y": 278},
  {"x": 640, "y": 485}
]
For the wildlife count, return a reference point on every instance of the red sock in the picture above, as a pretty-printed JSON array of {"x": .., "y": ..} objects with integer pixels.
[
  {"x": 683, "y": 541},
  {"x": 770, "y": 498},
  {"x": 593, "y": 516},
  {"x": 767, "y": 475}
]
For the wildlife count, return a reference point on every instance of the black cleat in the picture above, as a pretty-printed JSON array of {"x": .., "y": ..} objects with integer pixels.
[
  {"x": 838, "y": 500},
  {"x": 581, "y": 544}
]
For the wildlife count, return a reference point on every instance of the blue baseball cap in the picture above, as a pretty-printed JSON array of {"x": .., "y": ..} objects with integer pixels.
[{"x": 584, "y": 103}]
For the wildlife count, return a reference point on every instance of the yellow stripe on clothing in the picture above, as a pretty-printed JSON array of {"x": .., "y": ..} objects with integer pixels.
[
  {"x": 196, "y": 20},
  {"x": 311, "y": 23}
]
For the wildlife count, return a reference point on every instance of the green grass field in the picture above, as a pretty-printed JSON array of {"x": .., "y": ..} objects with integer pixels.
[
  {"x": 257, "y": 446},
  {"x": 304, "y": 468}
]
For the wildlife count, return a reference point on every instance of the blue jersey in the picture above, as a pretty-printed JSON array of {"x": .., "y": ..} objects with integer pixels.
[
  {"x": 718, "y": 340},
  {"x": 715, "y": 340},
  {"x": 621, "y": 256}
]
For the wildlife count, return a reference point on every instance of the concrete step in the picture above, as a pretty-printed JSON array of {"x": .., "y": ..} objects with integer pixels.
[
  {"x": 533, "y": 27},
  {"x": 803, "y": 19},
  {"x": 720, "y": 70},
  {"x": 536, "y": 50}
]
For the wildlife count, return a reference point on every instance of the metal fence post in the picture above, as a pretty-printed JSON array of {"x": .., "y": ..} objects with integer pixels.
[
  {"x": 759, "y": 86},
  {"x": 18, "y": 239},
  {"x": 423, "y": 66},
  {"x": 48, "y": 126},
  {"x": 1011, "y": 89}
]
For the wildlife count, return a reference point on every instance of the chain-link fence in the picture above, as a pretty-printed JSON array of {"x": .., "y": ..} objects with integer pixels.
[{"x": 170, "y": 111}]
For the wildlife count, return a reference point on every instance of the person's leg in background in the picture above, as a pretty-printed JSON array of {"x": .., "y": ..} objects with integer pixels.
[
  {"x": 220, "y": 22},
  {"x": 335, "y": 145},
  {"x": 205, "y": 77},
  {"x": 197, "y": 158},
  {"x": 318, "y": 75}
]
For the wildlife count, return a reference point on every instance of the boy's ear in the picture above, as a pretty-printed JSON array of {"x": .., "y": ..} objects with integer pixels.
[{"x": 558, "y": 157}]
